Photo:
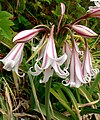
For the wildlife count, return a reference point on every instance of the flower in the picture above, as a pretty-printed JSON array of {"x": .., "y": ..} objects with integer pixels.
[
  {"x": 83, "y": 30},
  {"x": 94, "y": 11},
  {"x": 76, "y": 75},
  {"x": 26, "y": 35},
  {"x": 50, "y": 61},
  {"x": 87, "y": 68},
  {"x": 62, "y": 15},
  {"x": 14, "y": 58}
]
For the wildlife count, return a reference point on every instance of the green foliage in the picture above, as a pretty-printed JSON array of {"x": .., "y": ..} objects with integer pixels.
[
  {"x": 5, "y": 25},
  {"x": 66, "y": 103}
]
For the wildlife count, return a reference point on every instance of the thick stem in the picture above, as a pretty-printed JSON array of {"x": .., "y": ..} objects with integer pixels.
[{"x": 47, "y": 96}]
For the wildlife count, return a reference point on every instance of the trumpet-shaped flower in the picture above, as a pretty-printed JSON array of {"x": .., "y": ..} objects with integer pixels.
[
  {"x": 83, "y": 30},
  {"x": 26, "y": 35},
  {"x": 14, "y": 58},
  {"x": 51, "y": 61},
  {"x": 76, "y": 75},
  {"x": 87, "y": 68}
]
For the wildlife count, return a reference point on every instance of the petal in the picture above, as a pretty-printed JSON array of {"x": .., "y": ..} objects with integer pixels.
[
  {"x": 37, "y": 69},
  {"x": 59, "y": 71},
  {"x": 17, "y": 66},
  {"x": 66, "y": 82},
  {"x": 97, "y": 3},
  {"x": 67, "y": 50},
  {"x": 61, "y": 59},
  {"x": 46, "y": 61},
  {"x": 50, "y": 48},
  {"x": 47, "y": 74},
  {"x": 87, "y": 63}
]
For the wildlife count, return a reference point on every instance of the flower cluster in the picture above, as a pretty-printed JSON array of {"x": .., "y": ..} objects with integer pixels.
[{"x": 75, "y": 72}]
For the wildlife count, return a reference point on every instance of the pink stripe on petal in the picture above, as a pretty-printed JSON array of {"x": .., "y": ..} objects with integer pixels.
[{"x": 18, "y": 51}]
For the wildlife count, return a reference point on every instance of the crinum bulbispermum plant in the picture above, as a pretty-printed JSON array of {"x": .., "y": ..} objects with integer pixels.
[{"x": 75, "y": 72}]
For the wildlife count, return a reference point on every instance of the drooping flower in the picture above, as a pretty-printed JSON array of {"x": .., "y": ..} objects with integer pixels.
[
  {"x": 76, "y": 76},
  {"x": 26, "y": 35},
  {"x": 83, "y": 30},
  {"x": 87, "y": 67},
  {"x": 14, "y": 58},
  {"x": 50, "y": 61}
]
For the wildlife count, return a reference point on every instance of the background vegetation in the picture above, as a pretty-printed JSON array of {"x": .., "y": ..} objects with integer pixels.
[{"x": 16, "y": 94}]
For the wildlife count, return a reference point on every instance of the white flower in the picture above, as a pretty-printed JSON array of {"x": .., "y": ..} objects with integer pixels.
[
  {"x": 76, "y": 77},
  {"x": 50, "y": 61},
  {"x": 14, "y": 58}
]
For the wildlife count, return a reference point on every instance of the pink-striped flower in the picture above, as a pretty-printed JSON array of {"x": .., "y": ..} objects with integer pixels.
[
  {"x": 83, "y": 30},
  {"x": 62, "y": 15},
  {"x": 26, "y": 35},
  {"x": 50, "y": 61},
  {"x": 94, "y": 11},
  {"x": 14, "y": 58},
  {"x": 76, "y": 75},
  {"x": 87, "y": 68}
]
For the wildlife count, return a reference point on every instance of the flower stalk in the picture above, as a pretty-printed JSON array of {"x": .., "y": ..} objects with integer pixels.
[{"x": 47, "y": 97}]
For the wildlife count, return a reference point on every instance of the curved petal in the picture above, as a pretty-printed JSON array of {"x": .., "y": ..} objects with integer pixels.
[
  {"x": 37, "y": 69},
  {"x": 97, "y": 3},
  {"x": 59, "y": 71},
  {"x": 66, "y": 82},
  {"x": 61, "y": 59},
  {"x": 17, "y": 66},
  {"x": 47, "y": 74}
]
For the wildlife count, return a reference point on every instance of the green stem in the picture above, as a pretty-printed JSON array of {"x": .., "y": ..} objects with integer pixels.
[
  {"x": 35, "y": 96},
  {"x": 47, "y": 95}
]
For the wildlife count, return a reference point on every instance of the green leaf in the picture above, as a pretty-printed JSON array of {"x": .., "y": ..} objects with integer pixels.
[
  {"x": 95, "y": 83},
  {"x": 58, "y": 115},
  {"x": 5, "y": 25},
  {"x": 90, "y": 110},
  {"x": 66, "y": 106},
  {"x": 36, "y": 52}
]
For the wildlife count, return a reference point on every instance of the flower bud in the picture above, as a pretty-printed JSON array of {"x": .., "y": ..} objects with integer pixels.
[
  {"x": 26, "y": 35},
  {"x": 83, "y": 31}
]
